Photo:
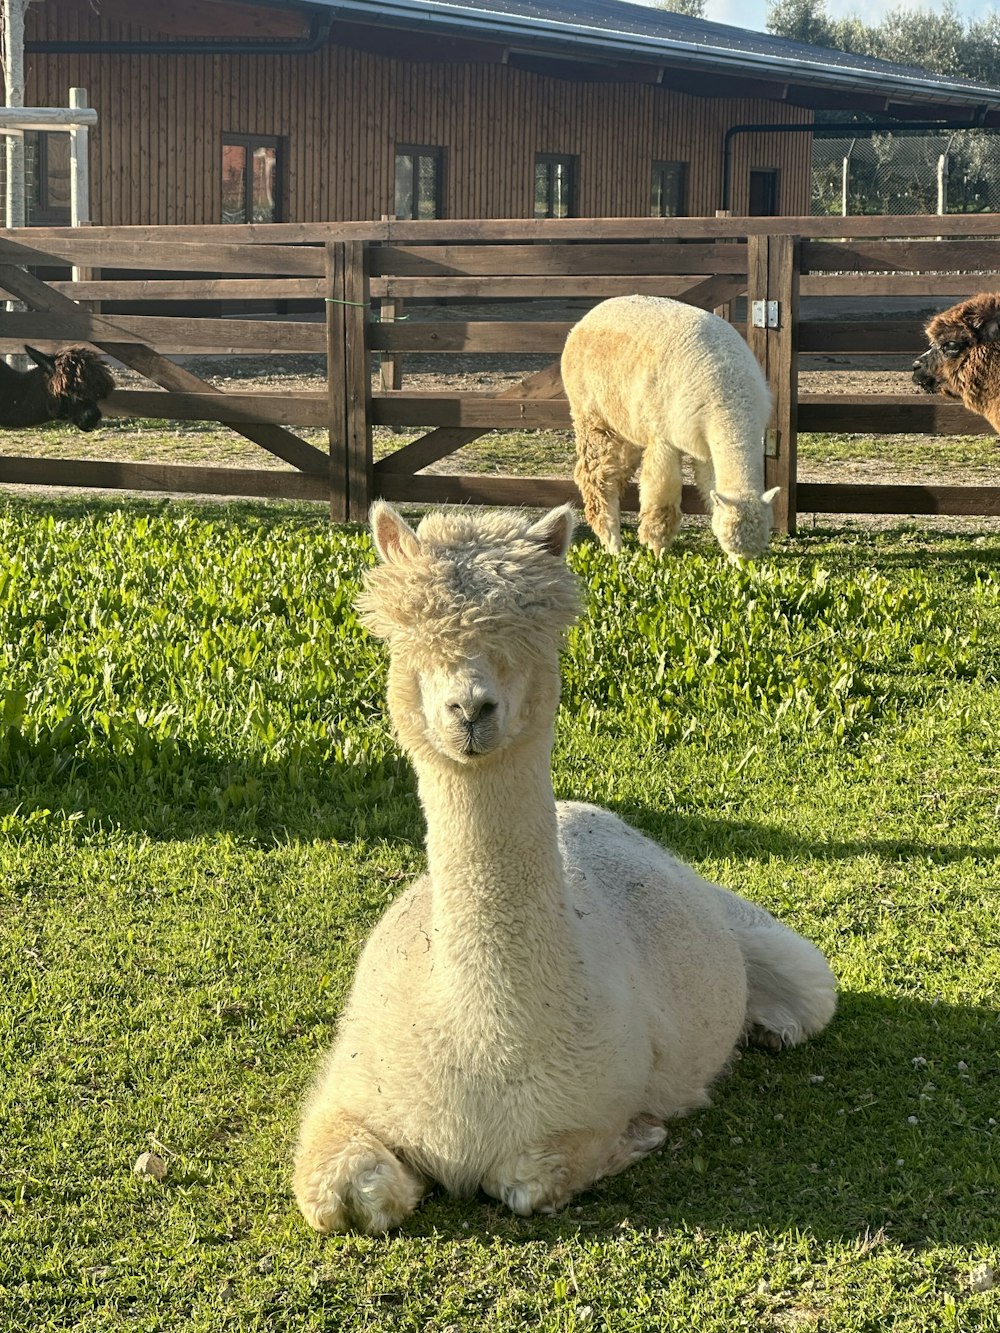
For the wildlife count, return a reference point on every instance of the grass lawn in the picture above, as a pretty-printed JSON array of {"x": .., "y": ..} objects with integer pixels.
[
  {"x": 527, "y": 453},
  {"x": 202, "y": 813}
]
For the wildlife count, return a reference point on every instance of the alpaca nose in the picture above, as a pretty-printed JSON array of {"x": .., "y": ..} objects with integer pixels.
[{"x": 472, "y": 710}]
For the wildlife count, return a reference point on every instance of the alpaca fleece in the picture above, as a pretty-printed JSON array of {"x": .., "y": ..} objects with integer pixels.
[
  {"x": 650, "y": 380},
  {"x": 67, "y": 386},
  {"x": 529, "y": 1012},
  {"x": 963, "y": 359}
]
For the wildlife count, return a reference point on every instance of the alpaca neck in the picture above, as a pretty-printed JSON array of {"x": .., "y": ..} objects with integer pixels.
[{"x": 494, "y": 864}]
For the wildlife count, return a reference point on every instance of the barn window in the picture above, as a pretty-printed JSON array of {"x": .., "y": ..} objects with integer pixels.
[
  {"x": 419, "y": 182},
  {"x": 46, "y": 175},
  {"x": 555, "y": 185},
  {"x": 669, "y": 187},
  {"x": 251, "y": 178}
]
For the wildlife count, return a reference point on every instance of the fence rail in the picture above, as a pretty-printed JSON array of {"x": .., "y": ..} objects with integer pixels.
[{"x": 339, "y": 277}]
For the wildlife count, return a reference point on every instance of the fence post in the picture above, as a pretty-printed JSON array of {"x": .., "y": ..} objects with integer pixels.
[
  {"x": 724, "y": 311},
  {"x": 348, "y": 380},
  {"x": 773, "y": 335},
  {"x": 357, "y": 317},
  {"x": 336, "y": 379},
  {"x": 390, "y": 372}
]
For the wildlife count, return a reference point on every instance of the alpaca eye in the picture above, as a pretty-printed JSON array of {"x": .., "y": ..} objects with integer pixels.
[{"x": 952, "y": 348}]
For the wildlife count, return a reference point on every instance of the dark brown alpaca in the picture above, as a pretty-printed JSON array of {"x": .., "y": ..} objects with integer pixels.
[
  {"x": 963, "y": 360},
  {"x": 65, "y": 387}
]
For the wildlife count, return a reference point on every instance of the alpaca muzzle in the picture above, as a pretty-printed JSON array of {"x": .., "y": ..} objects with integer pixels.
[
  {"x": 924, "y": 376},
  {"x": 85, "y": 416}
]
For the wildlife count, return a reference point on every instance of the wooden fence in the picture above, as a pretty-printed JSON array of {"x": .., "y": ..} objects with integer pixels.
[{"x": 347, "y": 274}]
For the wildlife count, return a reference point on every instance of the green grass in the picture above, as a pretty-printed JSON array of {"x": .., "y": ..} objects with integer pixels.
[
  {"x": 968, "y": 453},
  {"x": 526, "y": 453},
  {"x": 202, "y": 813}
]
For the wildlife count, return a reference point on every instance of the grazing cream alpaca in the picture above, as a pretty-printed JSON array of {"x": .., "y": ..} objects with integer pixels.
[
  {"x": 529, "y": 1012},
  {"x": 650, "y": 380}
]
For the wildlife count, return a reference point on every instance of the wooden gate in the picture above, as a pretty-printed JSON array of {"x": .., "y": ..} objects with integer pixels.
[{"x": 347, "y": 275}]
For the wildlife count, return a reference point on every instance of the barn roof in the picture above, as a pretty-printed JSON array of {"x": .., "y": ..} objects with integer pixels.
[{"x": 611, "y": 39}]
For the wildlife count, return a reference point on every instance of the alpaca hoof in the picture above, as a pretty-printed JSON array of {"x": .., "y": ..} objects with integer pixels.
[
  {"x": 642, "y": 1136},
  {"x": 369, "y": 1191},
  {"x": 545, "y": 1192},
  {"x": 765, "y": 1039},
  {"x": 657, "y": 531}
]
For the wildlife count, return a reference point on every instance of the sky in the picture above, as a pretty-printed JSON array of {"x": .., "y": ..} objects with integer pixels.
[{"x": 753, "y": 13}]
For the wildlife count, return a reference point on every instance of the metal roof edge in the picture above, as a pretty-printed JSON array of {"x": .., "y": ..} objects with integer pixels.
[{"x": 536, "y": 30}]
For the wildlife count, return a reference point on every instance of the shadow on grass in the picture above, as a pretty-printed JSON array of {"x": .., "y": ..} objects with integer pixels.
[
  {"x": 878, "y": 1130},
  {"x": 860, "y": 551},
  {"x": 694, "y": 837},
  {"x": 172, "y": 789}
]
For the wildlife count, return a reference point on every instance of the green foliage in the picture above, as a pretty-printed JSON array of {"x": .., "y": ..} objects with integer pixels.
[
  {"x": 935, "y": 39},
  {"x": 202, "y": 814},
  {"x": 694, "y": 9},
  {"x": 669, "y": 650},
  {"x": 197, "y": 667}
]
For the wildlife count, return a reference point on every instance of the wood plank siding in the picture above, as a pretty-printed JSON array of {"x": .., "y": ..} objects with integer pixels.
[{"x": 340, "y": 112}]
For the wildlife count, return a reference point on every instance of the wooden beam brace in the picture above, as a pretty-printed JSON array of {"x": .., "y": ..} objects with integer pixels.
[
  {"x": 283, "y": 444},
  {"x": 440, "y": 443}
]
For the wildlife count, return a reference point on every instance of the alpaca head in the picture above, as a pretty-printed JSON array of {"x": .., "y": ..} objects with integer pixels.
[
  {"x": 961, "y": 361},
  {"x": 742, "y": 523},
  {"x": 76, "y": 381},
  {"x": 472, "y": 606}
]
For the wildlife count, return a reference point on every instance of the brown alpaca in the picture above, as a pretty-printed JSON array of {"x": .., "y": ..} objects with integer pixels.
[
  {"x": 963, "y": 360},
  {"x": 65, "y": 387}
]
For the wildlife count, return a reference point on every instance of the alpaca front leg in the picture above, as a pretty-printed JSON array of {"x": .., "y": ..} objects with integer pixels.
[
  {"x": 346, "y": 1178},
  {"x": 660, "y": 487},
  {"x": 642, "y": 1136},
  {"x": 602, "y": 471},
  {"x": 544, "y": 1179}
]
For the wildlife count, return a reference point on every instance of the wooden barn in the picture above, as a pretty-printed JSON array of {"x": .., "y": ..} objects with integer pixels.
[{"x": 217, "y": 111}]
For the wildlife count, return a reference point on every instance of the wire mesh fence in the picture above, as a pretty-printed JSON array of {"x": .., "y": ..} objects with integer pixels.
[{"x": 901, "y": 173}]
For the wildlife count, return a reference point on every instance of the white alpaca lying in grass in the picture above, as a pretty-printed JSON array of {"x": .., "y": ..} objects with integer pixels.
[
  {"x": 529, "y": 1012},
  {"x": 650, "y": 379}
]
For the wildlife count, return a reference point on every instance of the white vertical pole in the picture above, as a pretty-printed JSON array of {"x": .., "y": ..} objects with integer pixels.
[
  {"x": 13, "y": 76},
  {"x": 845, "y": 181},
  {"x": 942, "y": 181},
  {"x": 79, "y": 178},
  {"x": 79, "y": 165}
]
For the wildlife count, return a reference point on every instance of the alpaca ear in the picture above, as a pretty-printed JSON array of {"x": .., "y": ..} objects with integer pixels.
[
  {"x": 718, "y": 499},
  {"x": 989, "y": 330},
  {"x": 770, "y": 496},
  {"x": 393, "y": 536},
  {"x": 41, "y": 359},
  {"x": 554, "y": 532}
]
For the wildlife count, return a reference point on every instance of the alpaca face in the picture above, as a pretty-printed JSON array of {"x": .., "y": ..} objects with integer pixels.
[
  {"x": 473, "y": 609},
  {"x": 82, "y": 413},
  {"x": 742, "y": 525},
  {"x": 961, "y": 359},
  {"x": 462, "y": 708},
  {"x": 74, "y": 380}
]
